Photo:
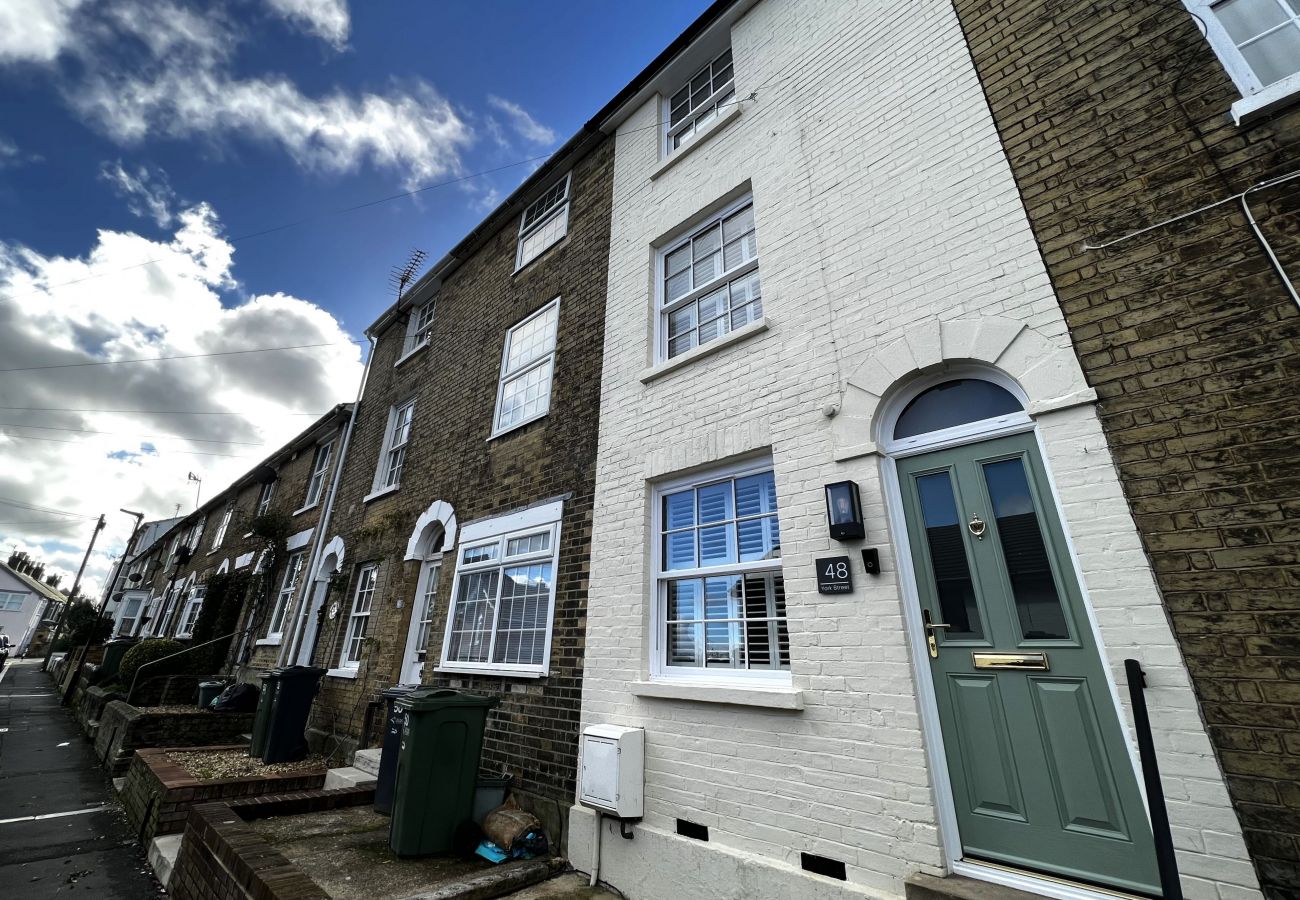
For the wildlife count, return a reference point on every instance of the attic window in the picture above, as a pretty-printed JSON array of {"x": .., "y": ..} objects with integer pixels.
[{"x": 545, "y": 222}]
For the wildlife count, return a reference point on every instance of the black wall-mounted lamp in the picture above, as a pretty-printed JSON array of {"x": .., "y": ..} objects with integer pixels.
[{"x": 844, "y": 511}]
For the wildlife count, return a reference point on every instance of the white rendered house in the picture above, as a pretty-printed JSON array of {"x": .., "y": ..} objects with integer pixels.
[{"x": 821, "y": 272}]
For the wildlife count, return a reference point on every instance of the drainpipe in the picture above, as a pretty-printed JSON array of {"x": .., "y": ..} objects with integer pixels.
[{"x": 293, "y": 646}]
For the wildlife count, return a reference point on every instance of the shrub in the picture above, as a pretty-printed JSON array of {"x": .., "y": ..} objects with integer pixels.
[
  {"x": 78, "y": 624},
  {"x": 146, "y": 652}
]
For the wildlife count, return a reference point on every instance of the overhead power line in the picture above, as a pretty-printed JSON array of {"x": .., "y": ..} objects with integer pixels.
[
  {"x": 143, "y": 437},
  {"x": 149, "y": 412},
  {"x": 159, "y": 450},
  {"x": 22, "y": 504},
  {"x": 119, "y": 362}
]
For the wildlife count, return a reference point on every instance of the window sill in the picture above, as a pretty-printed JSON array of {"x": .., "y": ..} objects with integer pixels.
[
  {"x": 268, "y": 642},
  {"x": 490, "y": 670},
  {"x": 382, "y": 492},
  {"x": 659, "y": 370},
  {"x": 409, "y": 353},
  {"x": 1267, "y": 100},
  {"x": 341, "y": 673},
  {"x": 301, "y": 510},
  {"x": 701, "y": 137},
  {"x": 702, "y": 692}
]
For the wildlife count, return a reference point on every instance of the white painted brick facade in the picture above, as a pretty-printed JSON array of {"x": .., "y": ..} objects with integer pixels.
[{"x": 884, "y": 205}]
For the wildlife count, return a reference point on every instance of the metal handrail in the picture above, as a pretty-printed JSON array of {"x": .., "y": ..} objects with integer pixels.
[
  {"x": 131, "y": 692},
  {"x": 1170, "y": 887}
]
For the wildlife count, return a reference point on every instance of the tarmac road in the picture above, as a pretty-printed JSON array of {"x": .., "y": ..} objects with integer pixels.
[{"x": 61, "y": 834}]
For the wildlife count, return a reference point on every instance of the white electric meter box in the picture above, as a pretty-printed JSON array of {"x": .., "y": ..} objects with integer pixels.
[{"x": 613, "y": 770}]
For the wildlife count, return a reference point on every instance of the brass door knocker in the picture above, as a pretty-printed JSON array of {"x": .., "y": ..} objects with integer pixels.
[{"x": 976, "y": 526}]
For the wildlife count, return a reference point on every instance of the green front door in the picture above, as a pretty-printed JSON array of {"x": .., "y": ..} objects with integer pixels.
[{"x": 1041, "y": 778}]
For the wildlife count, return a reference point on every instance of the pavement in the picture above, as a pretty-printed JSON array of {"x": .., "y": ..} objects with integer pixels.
[{"x": 61, "y": 835}]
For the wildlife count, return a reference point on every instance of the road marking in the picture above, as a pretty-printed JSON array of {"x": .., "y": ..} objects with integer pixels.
[
  {"x": 25, "y": 696},
  {"x": 57, "y": 815}
]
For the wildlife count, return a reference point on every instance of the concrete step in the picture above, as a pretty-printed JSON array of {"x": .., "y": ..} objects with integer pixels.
[
  {"x": 162, "y": 855},
  {"x": 959, "y": 887},
  {"x": 367, "y": 760},
  {"x": 348, "y": 776}
]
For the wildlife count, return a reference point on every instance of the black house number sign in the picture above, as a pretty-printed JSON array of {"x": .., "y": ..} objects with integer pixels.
[{"x": 834, "y": 576}]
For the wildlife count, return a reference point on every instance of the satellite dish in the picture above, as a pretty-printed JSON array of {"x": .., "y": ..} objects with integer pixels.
[
  {"x": 264, "y": 475},
  {"x": 134, "y": 577}
]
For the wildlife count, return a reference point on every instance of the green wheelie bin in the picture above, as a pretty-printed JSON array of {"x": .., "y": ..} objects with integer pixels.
[
  {"x": 437, "y": 767},
  {"x": 262, "y": 718}
]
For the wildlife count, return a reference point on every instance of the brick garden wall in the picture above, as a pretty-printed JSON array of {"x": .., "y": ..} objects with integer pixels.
[
  {"x": 158, "y": 793},
  {"x": 1115, "y": 117},
  {"x": 123, "y": 729},
  {"x": 533, "y": 733}
]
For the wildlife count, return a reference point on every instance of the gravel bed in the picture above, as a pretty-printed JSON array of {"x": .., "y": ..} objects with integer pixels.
[
  {"x": 209, "y": 765},
  {"x": 169, "y": 710}
]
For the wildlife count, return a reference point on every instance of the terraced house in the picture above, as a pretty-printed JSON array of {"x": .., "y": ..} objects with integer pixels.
[
  {"x": 863, "y": 569},
  {"x": 456, "y": 549}
]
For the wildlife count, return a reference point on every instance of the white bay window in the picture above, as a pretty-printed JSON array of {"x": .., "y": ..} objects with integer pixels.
[
  {"x": 503, "y": 602},
  {"x": 719, "y": 591},
  {"x": 708, "y": 282},
  {"x": 527, "y": 368}
]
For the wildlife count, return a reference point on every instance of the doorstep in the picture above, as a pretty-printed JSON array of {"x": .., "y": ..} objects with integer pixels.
[
  {"x": 348, "y": 777},
  {"x": 368, "y": 760},
  {"x": 959, "y": 887},
  {"x": 162, "y": 856}
]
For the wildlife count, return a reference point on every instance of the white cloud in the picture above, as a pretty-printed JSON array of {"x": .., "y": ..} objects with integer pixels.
[
  {"x": 170, "y": 306},
  {"x": 35, "y": 31},
  {"x": 147, "y": 191},
  {"x": 326, "y": 19},
  {"x": 528, "y": 128}
]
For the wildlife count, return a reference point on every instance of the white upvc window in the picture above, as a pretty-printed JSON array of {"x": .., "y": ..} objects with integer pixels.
[
  {"x": 719, "y": 593},
  {"x": 11, "y": 601},
  {"x": 131, "y": 603},
  {"x": 503, "y": 600},
  {"x": 707, "y": 281},
  {"x": 393, "y": 458},
  {"x": 527, "y": 369},
  {"x": 1258, "y": 43},
  {"x": 699, "y": 100},
  {"x": 224, "y": 524},
  {"x": 288, "y": 585},
  {"x": 320, "y": 468},
  {"x": 264, "y": 498},
  {"x": 418, "y": 326},
  {"x": 190, "y": 612},
  {"x": 545, "y": 222},
  {"x": 359, "y": 621}
]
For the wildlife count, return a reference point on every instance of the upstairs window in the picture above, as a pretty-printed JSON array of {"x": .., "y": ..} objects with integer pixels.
[
  {"x": 708, "y": 282},
  {"x": 1258, "y": 43},
  {"x": 393, "y": 459},
  {"x": 545, "y": 222},
  {"x": 319, "y": 469},
  {"x": 11, "y": 601},
  {"x": 224, "y": 524},
  {"x": 264, "y": 498},
  {"x": 417, "y": 328},
  {"x": 527, "y": 368},
  {"x": 700, "y": 99}
]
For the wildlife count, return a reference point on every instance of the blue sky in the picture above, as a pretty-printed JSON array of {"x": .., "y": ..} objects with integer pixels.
[
  {"x": 560, "y": 60},
  {"x": 140, "y": 139}
]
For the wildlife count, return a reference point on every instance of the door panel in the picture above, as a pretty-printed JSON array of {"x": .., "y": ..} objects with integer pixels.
[
  {"x": 1039, "y": 764},
  {"x": 1076, "y": 754},
  {"x": 991, "y": 781}
]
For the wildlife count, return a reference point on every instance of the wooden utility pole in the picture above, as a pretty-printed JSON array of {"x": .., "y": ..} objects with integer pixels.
[{"x": 63, "y": 614}]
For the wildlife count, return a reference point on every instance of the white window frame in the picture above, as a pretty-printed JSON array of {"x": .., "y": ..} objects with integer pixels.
[
  {"x": 190, "y": 611},
  {"x": 394, "y": 449},
  {"x": 418, "y": 325},
  {"x": 126, "y": 624},
  {"x": 7, "y": 598},
  {"x": 222, "y": 527},
  {"x": 500, "y": 529},
  {"x": 509, "y": 375},
  {"x": 703, "y": 112},
  {"x": 1256, "y": 95},
  {"x": 659, "y": 670},
  {"x": 320, "y": 467},
  {"x": 663, "y": 308},
  {"x": 367, "y": 584},
  {"x": 264, "y": 498},
  {"x": 293, "y": 568},
  {"x": 557, "y": 214}
]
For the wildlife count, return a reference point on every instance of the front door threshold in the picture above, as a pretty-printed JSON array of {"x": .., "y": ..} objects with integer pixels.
[
  {"x": 977, "y": 879},
  {"x": 961, "y": 887}
]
